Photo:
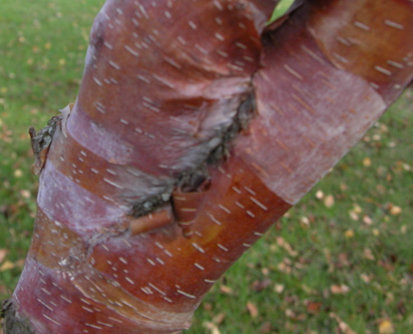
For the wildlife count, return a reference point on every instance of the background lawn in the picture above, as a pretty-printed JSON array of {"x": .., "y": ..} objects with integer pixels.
[{"x": 341, "y": 261}]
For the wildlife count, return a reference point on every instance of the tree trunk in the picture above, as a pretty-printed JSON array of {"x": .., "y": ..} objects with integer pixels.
[{"x": 196, "y": 127}]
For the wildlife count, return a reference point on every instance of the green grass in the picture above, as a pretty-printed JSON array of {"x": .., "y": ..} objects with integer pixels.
[{"x": 362, "y": 244}]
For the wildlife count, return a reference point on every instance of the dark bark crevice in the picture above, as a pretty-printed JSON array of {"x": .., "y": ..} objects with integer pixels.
[
  {"x": 193, "y": 179},
  {"x": 14, "y": 323}
]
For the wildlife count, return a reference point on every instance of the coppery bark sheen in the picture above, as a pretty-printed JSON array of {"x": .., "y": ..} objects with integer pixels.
[{"x": 195, "y": 129}]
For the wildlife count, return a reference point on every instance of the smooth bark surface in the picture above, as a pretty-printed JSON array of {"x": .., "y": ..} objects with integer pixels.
[{"x": 195, "y": 128}]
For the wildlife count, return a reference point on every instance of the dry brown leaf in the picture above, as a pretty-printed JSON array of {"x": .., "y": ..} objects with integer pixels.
[
  {"x": 261, "y": 285},
  {"x": 343, "y": 260},
  {"x": 339, "y": 289},
  {"x": 279, "y": 288},
  {"x": 366, "y": 278},
  {"x": 353, "y": 215},
  {"x": 25, "y": 193},
  {"x": 252, "y": 309},
  {"x": 368, "y": 254},
  {"x": 319, "y": 194},
  {"x": 357, "y": 209},
  {"x": 3, "y": 254},
  {"x": 289, "y": 313},
  {"x": 349, "y": 233},
  {"x": 366, "y": 162},
  {"x": 284, "y": 244},
  {"x": 300, "y": 317},
  {"x": 395, "y": 210},
  {"x": 212, "y": 327},
  {"x": 304, "y": 220},
  {"x": 314, "y": 307},
  {"x": 386, "y": 327},
  {"x": 344, "y": 328},
  {"x": 266, "y": 327},
  {"x": 367, "y": 220},
  {"x": 7, "y": 266},
  {"x": 329, "y": 201},
  {"x": 284, "y": 268},
  {"x": 219, "y": 318},
  {"x": 386, "y": 265},
  {"x": 226, "y": 290},
  {"x": 309, "y": 290}
]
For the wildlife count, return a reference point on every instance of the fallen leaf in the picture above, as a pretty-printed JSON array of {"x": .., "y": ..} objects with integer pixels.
[
  {"x": 284, "y": 244},
  {"x": 261, "y": 285},
  {"x": 368, "y": 254},
  {"x": 376, "y": 137},
  {"x": 344, "y": 328},
  {"x": 25, "y": 193},
  {"x": 354, "y": 215},
  {"x": 289, "y": 313},
  {"x": 357, "y": 209},
  {"x": 226, "y": 290},
  {"x": 329, "y": 201},
  {"x": 367, "y": 220},
  {"x": 395, "y": 210},
  {"x": 339, "y": 289},
  {"x": 366, "y": 278},
  {"x": 284, "y": 268},
  {"x": 407, "y": 167},
  {"x": 212, "y": 327},
  {"x": 314, "y": 307},
  {"x": 349, "y": 233},
  {"x": 366, "y": 162},
  {"x": 343, "y": 260},
  {"x": 7, "y": 266},
  {"x": 386, "y": 327},
  {"x": 265, "y": 271},
  {"x": 266, "y": 327},
  {"x": 319, "y": 194},
  {"x": 207, "y": 306},
  {"x": 386, "y": 265},
  {"x": 279, "y": 288},
  {"x": 3, "y": 254},
  {"x": 252, "y": 309},
  {"x": 389, "y": 298},
  {"x": 300, "y": 317},
  {"x": 219, "y": 318},
  {"x": 309, "y": 290}
]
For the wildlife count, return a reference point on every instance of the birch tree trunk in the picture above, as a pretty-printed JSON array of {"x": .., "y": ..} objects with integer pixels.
[{"x": 196, "y": 127}]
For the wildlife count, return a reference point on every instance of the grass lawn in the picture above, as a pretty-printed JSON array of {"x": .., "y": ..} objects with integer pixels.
[{"x": 341, "y": 261}]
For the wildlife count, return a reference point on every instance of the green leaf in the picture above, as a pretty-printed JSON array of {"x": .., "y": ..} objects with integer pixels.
[{"x": 281, "y": 8}]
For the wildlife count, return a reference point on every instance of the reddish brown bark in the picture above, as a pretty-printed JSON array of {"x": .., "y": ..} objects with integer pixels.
[{"x": 194, "y": 130}]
